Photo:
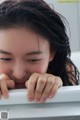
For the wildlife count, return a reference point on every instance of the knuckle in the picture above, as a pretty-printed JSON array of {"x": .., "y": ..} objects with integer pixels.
[
  {"x": 50, "y": 75},
  {"x": 35, "y": 74},
  {"x": 31, "y": 82},
  {"x": 50, "y": 81},
  {"x": 38, "y": 92},
  {"x": 41, "y": 81},
  {"x": 57, "y": 77},
  {"x": 46, "y": 93},
  {"x": 58, "y": 81}
]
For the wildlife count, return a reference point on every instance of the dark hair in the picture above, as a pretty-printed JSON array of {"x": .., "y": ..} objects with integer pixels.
[{"x": 38, "y": 15}]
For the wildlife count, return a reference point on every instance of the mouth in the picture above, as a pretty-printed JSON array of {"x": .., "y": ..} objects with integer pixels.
[
  {"x": 20, "y": 85},
  {"x": 17, "y": 81}
]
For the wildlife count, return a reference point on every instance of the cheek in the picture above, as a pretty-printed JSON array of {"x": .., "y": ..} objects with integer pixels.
[
  {"x": 41, "y": 68},
  {"x": 4, "y": 68}
]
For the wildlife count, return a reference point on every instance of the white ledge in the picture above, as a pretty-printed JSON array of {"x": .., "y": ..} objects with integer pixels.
[
  {"x": 64, "y": 94},
  {"x": 65, "y": 103}
]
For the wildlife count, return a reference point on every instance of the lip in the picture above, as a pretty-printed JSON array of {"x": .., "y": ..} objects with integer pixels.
[
  {"x": 19, "y": 81},
  {"x": 20, "y": 85}
]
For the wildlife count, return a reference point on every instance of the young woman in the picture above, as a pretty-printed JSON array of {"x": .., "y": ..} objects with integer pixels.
[{"x": 34, "y": 50}]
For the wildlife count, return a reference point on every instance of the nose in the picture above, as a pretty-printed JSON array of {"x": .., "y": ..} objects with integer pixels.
[
  {"x": 19, "y": 72},
  {"x": 19, "y": 75}
]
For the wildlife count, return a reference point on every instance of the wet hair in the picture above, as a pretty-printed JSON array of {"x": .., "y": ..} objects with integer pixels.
[{"x": 41, "y": 18}]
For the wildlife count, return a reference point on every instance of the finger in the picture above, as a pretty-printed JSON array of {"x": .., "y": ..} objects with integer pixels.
[
  {"x": 57, "y": 84},
  {"x": 0, "y": 94},
  {"x": 39, "y": 87},
  {"x": 48, "y": 87},
  {"x": 31, "y": 86},
  {"x": 4, "y": 89},
  {"x": 10, "y": 84},
  {"x": 26, "y": 84},
  {"x": 3, "y": 76}
]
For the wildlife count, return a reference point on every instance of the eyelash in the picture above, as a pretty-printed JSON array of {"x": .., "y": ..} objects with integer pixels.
[
  {"x": 5, "y": 59},
  {"x": 32, "y": 60}
]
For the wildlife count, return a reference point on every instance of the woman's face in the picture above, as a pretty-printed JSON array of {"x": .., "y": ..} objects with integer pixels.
[{"x": 23, "y": 52}]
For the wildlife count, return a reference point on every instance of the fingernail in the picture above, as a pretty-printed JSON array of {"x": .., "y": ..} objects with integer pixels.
[
  {"x": 42, "y": 100},
  {"x": 36, "y": 99},
  {"x": 30, "y": 99},
  {"x": 6, "y": 95},
  {"x": 50, "y": 96}
]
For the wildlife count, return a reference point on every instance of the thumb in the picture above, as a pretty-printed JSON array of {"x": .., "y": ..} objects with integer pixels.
[
  {"x": 26, "y": 84},
  {"x": 10, "y": 84}
]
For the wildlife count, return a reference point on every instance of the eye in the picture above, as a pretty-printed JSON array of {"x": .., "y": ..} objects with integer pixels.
[
  {"x": 33, "y": 60},
  {"x": 5, "y": 59}
]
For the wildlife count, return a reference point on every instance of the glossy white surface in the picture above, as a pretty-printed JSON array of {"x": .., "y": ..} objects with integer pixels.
[
  {"x": 66, "y": 103},
  {"x": 75, "y": 57},
  {"x": 64, "y": 94}
]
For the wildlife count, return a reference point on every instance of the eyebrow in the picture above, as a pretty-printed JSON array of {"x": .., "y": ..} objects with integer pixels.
[
  {"x": 5, "y": 52},
  {"x": 33, "y": 53},
  {"x": 27, "y": 54}
]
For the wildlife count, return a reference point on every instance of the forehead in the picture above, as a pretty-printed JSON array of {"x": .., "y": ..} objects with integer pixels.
[{"x": 21, "y": 40}]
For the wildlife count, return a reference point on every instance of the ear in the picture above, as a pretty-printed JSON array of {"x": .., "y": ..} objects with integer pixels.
[{"x": 52, "y": 55}]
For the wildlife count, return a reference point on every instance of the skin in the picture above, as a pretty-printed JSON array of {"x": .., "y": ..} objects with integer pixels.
[{"x": 24, "y": 59}]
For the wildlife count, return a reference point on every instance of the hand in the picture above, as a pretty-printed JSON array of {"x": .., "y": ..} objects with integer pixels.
[
  {"x": 5, "y": 84},
  {"x": 42, "y": 86}
]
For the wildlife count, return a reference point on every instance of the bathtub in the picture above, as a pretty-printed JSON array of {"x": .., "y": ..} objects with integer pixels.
[
  {"x": 64, "y": 106},
  {"x": 75, "y": 57}
]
